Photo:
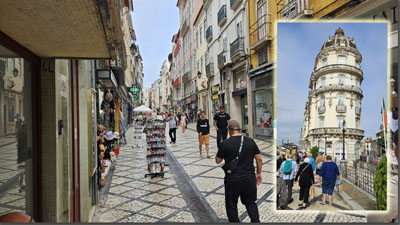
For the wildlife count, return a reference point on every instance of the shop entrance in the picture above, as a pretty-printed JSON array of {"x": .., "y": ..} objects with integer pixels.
[{"x": 245, "y": 115}]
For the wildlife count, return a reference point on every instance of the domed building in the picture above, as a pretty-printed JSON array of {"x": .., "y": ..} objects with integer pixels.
[{"x": 335, "y": 99}]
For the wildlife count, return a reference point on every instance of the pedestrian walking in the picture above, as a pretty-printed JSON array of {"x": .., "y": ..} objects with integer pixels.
[
  {"x": 305, "y": 176},
  {"x": 329, "y": 173},
  {"x": 183, "y": 123},
  {"x": 288, "y": 172},
  {"x": 221, "y": 121},
  {"x": 173, "y": 121},
  {"x": 318, "y": 163},
  {"x": 281, "y": 193},
  {"x": 203, "y": 128},
  {"x": 280, "y": 160},
  {"x": 239, "y": 153},
  {"x": 312, "y": 161}
]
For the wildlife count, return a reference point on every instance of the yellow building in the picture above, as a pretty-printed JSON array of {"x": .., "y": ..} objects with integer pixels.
[{"x": 262, "y": 16}]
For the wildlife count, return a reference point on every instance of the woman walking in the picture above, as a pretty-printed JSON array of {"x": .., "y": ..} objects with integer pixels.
[
  {"x": 183, "y": 123},
  {"x": 329, "y": 173},
  {"x": 306, "y": 180}
]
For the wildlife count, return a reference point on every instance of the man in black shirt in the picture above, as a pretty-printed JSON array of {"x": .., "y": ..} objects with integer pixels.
[
  {"x": 221, "y": 121},
  {"x": 203, "y": 128},
  {"x": 242, "y": 181}
]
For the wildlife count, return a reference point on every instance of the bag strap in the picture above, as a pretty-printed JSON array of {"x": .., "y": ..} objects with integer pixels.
[
  {"x": 304, "y": 169},
  {"x": 241, "y": 146}
]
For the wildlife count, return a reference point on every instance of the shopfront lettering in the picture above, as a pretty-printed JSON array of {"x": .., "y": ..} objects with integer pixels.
[{"x": 388, "y": 14}]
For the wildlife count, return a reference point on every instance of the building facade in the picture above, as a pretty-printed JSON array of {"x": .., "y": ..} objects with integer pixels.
[{"x": 334, "y": 102}]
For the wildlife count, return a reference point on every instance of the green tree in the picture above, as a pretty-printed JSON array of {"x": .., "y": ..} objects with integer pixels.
[
  {"x": 380, "y": 182},
  {"x": 314, "y": 151}
]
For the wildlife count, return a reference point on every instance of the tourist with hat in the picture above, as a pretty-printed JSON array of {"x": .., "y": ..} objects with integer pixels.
[{"x": 221, "y": 121}]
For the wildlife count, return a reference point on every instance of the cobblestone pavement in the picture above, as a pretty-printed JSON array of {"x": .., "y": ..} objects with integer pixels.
[{"x": 192, "y": 189}]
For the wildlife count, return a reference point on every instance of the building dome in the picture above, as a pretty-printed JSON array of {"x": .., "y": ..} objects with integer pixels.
[{"x": 339, "y": 39}]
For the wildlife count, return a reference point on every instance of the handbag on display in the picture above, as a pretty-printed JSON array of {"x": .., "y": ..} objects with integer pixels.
[{"x": 230, "y": 167}]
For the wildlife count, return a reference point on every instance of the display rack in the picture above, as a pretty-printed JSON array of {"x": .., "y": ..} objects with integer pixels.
[{"x": 156, "y": 144}]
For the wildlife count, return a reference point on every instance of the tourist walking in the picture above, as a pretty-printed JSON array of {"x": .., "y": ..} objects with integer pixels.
[
  {"x": 305, "y": 176},
  {"x": 183, "y": 123},
  {"x": 288, "y": 172},
  {"x": 280, "y": 160},
  {"x": 318, "y": 163},
  {"x": 221, "y": 121},
  {"x": 329, "y": 173},
  {"x": 239, "y": 153},
  {"x": 312, "y": 161},
  {"x": 203, "y": 129},
  {"x": 173, "y": 121}
]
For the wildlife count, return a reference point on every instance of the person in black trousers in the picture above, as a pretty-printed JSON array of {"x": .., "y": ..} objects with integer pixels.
[
  {"x": 173, "y": 121},
  {"x": 306, "y": 180},
  {"x": 243, "y": 181},
  {"x": 221, "y": 121}
]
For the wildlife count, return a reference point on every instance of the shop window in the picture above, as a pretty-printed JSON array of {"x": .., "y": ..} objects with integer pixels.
[{"x": 239, "y": 78}]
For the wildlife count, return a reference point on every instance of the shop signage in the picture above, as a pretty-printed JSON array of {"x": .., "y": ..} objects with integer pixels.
[
  {"x": 134, "y": 90},
  {"x": 106, "y": 78},
  {"x": 215, "y": 91}
]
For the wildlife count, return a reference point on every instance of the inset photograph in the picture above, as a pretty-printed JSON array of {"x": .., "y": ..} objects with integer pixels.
[{"x": 331, "y": 95}]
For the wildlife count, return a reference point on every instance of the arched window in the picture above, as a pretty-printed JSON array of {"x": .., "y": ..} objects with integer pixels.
[
  {"x": 357, "y": 151},
  {"x": 338, "y": 151}
]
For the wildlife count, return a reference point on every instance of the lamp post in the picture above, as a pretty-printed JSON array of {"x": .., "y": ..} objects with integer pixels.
[
  {"x": 325, "y": 136},
  {"x": 344, "y": 131}
]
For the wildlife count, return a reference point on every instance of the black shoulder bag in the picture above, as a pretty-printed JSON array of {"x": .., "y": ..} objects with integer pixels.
[{"x": 230, "y": 167}]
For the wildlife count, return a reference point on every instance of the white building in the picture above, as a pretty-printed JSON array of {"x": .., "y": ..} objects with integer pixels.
[
  {"x": 335, "y": 97},
  {"x": 146, "y": 97}
]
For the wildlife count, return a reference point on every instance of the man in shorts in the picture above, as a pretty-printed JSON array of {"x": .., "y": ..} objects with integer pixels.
[{"x": 203, "y": 128}]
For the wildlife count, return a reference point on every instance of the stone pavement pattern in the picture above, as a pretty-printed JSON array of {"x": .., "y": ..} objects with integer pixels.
[{"x": 133, "y": 198}]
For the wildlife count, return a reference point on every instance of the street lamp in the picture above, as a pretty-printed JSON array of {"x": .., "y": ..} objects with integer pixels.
[
  {"x": 344, "y": 131},
  {"x": 325, "y": 136}
]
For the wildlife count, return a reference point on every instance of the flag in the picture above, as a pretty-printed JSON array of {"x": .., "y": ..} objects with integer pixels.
[{"x": 384, "y": 114}]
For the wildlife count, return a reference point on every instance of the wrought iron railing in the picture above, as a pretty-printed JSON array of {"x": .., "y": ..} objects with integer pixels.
[
  {"x": 222, "y": 15},
  {"x": 341, "y": 108},
  {"x": 237, "y": 47},
  {"x": 260, "y": 30},
  {"x": 209, "y": 33},
  {"x": 221, "y": 58}
]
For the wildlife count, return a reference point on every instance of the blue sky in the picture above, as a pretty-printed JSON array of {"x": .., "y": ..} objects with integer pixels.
[
  {"x": 298, "y": 46},
  {"x": 155, "y": 22}
]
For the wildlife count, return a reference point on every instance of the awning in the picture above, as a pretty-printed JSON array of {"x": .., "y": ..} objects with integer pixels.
[{"x": 63, "y": 29}]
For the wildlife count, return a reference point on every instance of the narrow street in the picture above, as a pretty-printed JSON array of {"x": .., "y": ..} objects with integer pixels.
[{"x": 192, "y": 189}]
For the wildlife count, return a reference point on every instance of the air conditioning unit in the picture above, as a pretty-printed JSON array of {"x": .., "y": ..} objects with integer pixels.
[{"x": 308, "y": 12}]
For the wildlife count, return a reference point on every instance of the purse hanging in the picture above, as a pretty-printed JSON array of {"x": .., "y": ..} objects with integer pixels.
[{"x": 229, "y": 167}]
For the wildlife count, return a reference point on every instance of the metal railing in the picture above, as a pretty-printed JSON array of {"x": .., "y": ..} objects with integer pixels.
[
  {"x": 221, "y": 59},
  {"x": 321, "y": 109},
  {"x": 289, "y": 11},
  {"x": 222, "y": 15},
  {"x": 237, "y": 47},
  {"x": 337, "y": 68},
  {"x": 336, "y": 130},
  {"x": 185, "y": 77},
  {"x": 338, "y": 87},
  {"x": 260, "y": 30},
  {"x": 209, "y": 34},
  {"x": 341, "y": 108},
  {"x": 209, "y": 69}
]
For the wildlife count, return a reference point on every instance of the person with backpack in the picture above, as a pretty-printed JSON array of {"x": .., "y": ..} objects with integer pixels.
[
  {"x": 288, "y": 172},
  {"x": 306, "y": 180},
  {"x": 241, "y": 179}
]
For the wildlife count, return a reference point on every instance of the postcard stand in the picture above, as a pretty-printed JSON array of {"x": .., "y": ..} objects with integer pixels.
[{"x": 156, "y": 144}]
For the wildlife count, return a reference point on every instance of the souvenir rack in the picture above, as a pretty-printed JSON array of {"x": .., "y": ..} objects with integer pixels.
[{"x": 156, "y": 144}]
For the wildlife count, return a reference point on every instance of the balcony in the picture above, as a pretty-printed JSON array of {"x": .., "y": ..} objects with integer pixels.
[
  {"x": 209, "y": 34},
  {"x": 235, "y": 4},
  {"x": 338, "y": 68},
  {"x": 337, "y": 87},
  {"x": 358, "y": 111},
  {"x": 186, "y": 77},
  {"x": 335, "y": 131},
  {"x": 341, "y": 108},
  {"x": 2, "y": 67},
  {"x": 289, "y": 11},
  {"x": 222, "y": 16},
  {"x": 206, "y": 3},
  {"x": 321, "y": 109},
  {"x": 185, "y": 27},
  {"x": 237, "y": 49},
  {"x": 260, "y": 32},
  {"x": 221, "y": 59},
  {"x": 210, "y": 70}
]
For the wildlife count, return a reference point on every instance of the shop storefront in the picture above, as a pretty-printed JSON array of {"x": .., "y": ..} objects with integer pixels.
[
  {"x": 239, "y": 96},
  {"x": 20, "y": 180},
  {"x": 262, "y": 101},
  {"x": 215, "y": 103}
]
